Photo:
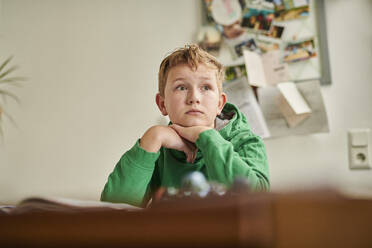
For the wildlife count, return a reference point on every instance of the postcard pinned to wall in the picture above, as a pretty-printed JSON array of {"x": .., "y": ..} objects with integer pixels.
[
  {"x": 258, "y": 20},
  {"x": 278, "y": 126},
  {"x": 267, "y": 44},
  {"x": 276, "y": 31},
  {"x": 233, "y": 72},
  {"x": 240, "y": 93},
  {"x": 210, "y": 39},
  {"x": 238, "y": 45},
  {"x": 291, "y": 9},
  {"x": 299, "y": 51}
]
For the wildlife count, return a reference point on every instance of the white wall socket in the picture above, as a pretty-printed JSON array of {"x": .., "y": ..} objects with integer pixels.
[{"x": 358, "y": 143}]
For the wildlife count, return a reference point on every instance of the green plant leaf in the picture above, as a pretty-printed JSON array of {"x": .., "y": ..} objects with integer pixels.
[
  {"x": 10, "y": 118},
  {"x": 13, "y": 80},
  {"x": 5, "y": 63},
  {"x": 10, "y": 94},
  {"x": 5, "y": 94},
  {"x": 11, "y": 69}
]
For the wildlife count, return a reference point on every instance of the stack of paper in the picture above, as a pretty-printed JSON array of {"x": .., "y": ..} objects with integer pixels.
[{"x": 241, "y": 94}]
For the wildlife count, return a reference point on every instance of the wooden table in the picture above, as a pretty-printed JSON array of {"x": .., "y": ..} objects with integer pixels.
[{"x": 303, "y": 219}]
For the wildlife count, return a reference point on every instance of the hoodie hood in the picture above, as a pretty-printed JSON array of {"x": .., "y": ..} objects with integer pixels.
[{"x": 237, "y": 124}]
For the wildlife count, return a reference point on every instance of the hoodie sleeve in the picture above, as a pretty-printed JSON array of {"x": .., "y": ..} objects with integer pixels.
[
  {"x": 131, "y": 178},
  {"x": 225, "y": 160}
]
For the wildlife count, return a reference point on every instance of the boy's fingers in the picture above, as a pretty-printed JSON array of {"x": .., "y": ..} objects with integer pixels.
[
  {"x": 188, "y": 152},
  {"x": 191, "y": 145},
  {"x": 193, "y": 150},
  {"x": 193, "y": 156},
  {"x": 189, "y": 158}
]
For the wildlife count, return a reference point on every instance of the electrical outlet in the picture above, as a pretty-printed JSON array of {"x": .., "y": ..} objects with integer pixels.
[{"x": 358, "y": 142}]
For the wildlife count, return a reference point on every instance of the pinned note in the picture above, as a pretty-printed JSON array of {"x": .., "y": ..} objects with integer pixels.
[
  {"x": 292, "y": 104},
  {"x": 265, "y": 70}
]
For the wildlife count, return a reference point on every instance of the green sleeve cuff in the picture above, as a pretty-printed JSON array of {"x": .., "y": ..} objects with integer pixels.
[{"x": 142, "y": 158}]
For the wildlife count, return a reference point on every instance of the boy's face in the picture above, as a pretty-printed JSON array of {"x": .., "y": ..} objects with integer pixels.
[{"x": 191, "y": 98}]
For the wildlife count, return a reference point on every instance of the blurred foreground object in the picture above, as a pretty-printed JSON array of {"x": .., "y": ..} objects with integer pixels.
[
  {"x": 194, "y": 185},
  {"x": 319, "y": 218}
]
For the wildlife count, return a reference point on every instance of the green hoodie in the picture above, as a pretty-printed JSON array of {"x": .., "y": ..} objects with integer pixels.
[{"x": 222, "y": 155}]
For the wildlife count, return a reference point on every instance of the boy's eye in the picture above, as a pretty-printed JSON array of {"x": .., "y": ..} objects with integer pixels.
[
  {"x": 206, "y": 87},
  {"x": 181, "y": 87}
]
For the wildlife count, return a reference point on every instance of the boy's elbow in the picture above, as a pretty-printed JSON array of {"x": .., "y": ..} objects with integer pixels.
[{"x": 104, "y": 196}]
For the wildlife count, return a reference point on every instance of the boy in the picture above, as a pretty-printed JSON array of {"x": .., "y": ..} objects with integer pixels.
[{"x": 206, "y": 134}]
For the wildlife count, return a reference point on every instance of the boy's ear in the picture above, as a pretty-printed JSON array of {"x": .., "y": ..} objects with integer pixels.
[
  {"x": 222, "y": 102},
  {"x": 161, "y": 104}
]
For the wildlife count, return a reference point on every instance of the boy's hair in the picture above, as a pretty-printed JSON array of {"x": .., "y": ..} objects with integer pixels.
[{"x": 191, "y": 55}]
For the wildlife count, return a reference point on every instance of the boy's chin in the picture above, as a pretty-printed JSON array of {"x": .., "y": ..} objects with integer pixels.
[{"x": 193, "y": 123}]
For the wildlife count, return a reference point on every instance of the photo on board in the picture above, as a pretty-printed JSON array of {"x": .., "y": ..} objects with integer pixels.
[
  {"x": 267, "y": 45},
  {"x": 291, "y": 9},
  {"x": 299, "y": 51},
  {"x": 258, "y": 20},
  {"x": 248, "y": 44},
  {"x": 209, "y": 39},
  {"x": 275, "y": 32},
  {"x": 235, "y": 72}
]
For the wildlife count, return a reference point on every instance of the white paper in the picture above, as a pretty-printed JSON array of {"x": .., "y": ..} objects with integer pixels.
[
  {"x": 241, "y": 95},
  {"x": 265, "y": 70},
  {"x": 255, "y": 69},
  {"x": 294, "y": 98},
  {"x": 275, "y": 70}
]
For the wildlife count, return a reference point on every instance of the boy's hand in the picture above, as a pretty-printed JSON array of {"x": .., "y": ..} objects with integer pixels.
[
  {"x": 164, "y": 136},
  {"x": 189, "y": 133}
]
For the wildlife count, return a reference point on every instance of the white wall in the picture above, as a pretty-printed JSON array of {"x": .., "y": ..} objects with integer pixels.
[
  {"x": 322, "y": 159},
  {"x": 92, "y": 77}
]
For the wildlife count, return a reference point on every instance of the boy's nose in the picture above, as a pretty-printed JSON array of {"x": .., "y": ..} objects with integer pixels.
[{"x": 193, "y": 97}]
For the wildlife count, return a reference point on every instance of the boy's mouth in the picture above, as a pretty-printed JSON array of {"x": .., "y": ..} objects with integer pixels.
[{"x": 194, "y": 112}]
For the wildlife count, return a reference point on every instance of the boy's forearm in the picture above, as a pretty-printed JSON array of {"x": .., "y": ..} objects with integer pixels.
[
  {"x": 131, "y": 177},
  {"x": 190, "y": 133},
  {"x": 150, "y": 140},
  {"x": 224, "y": 163}
]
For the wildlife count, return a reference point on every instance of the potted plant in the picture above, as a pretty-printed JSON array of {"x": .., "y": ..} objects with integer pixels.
[{"x": 7, "y": 81}]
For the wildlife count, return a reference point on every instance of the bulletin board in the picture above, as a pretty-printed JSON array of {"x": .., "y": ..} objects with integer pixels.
[
  {"x": 279, "y": 61},
  {"x": 287, "y": 25}
]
